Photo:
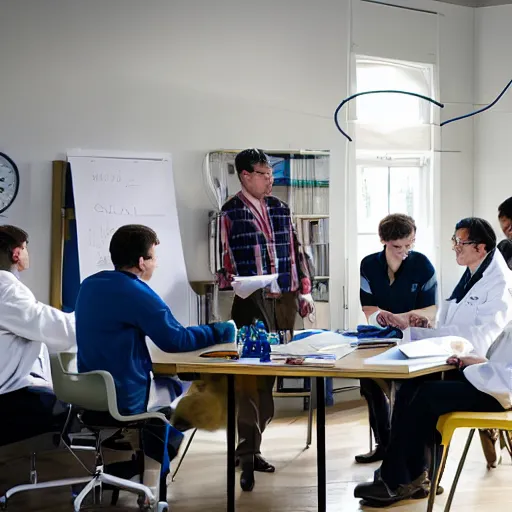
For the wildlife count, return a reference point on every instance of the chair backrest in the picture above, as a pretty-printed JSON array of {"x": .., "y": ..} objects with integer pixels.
[{"x": 94, "y": 391}]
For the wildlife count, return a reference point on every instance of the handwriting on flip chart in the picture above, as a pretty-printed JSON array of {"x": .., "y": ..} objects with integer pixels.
[
  {"x": 114, "y": 178},
  {"x": 111, "y": 216}
]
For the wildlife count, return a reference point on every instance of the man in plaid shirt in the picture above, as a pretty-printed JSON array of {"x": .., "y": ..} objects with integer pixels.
[{"x": 258, "y": 238}]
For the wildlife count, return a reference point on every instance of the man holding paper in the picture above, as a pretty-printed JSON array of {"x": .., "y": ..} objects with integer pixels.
[{"x": 258, "y": 239}]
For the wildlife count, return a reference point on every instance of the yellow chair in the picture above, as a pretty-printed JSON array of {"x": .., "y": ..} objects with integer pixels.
[{"x": 446, "y": 425}]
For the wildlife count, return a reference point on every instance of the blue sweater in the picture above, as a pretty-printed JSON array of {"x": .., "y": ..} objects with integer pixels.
[{"x": 114, "y": 312}]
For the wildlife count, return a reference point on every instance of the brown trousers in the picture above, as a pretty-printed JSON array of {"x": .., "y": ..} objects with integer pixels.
[{"x": 255, "y": 403}]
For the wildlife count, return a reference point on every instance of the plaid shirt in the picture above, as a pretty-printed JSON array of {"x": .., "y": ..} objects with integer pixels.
[{"x": 256, "y": 244}]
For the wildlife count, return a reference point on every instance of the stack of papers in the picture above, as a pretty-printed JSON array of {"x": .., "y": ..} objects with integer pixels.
[
  {"x": 413, "y": 356},
  {"x": 374, "y": 342},
  {"x": 326, "y": 345}
]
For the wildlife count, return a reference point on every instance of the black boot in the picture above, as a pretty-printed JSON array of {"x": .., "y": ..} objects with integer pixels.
[
  {"x": 375, "y": 455},
  {"x": 247, "y": 477}
]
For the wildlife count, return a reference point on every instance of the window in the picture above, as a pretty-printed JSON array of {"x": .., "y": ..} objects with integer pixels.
[
  {"x": 393, "y": 109},
  {"x": 392, "y": 188},
  {"x": 391, "y": 170}
]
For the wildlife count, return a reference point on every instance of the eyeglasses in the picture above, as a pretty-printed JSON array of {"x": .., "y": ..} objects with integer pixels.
[
  {"x": 267, "y": 175},
  {"x": 457, "y": 242}
]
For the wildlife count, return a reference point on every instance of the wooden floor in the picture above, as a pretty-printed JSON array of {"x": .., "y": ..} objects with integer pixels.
[{"x": 200, "y": 484}]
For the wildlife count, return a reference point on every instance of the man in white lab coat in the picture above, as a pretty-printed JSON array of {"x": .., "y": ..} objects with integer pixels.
[
  {"x": 480, "y": 306},
  {"x": 28, "y": 329},
  {"x": 485, "y": 385}
]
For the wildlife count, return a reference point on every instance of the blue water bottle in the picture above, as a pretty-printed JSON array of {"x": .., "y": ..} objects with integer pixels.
[
  {"x": 264, "y": 342},
  {"x": 241, "y": 338}
]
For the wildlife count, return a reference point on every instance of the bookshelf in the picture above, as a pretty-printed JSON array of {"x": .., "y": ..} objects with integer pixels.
[{"x": 303, "y": 182}]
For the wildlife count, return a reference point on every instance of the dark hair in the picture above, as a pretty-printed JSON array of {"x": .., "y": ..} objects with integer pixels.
[
  {"x": 505, "y": 209},
  {"x": 11, "y": 238},
  {"x": 396, "y": 227},
  {"x": 479, "y": 231},
  {"x": 248, "y": 158},
  {"x": 131, "y": 242}
]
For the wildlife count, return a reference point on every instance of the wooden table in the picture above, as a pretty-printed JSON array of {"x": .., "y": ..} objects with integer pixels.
[{"x": 350, "y": 366}]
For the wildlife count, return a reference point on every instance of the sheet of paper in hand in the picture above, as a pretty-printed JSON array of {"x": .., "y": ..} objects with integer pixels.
[{"x": 245, "y": 286}]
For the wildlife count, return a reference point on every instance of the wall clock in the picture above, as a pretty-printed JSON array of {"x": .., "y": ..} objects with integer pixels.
[{"x": 9, "y": 182}]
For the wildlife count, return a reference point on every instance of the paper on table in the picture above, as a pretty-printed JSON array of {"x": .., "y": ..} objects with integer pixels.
[
  {"x": 247, "y": 285},
  {"x": 327, "y": 342},
  {"x": 397, "y": 361},
  {"x": 442, "y": 345},
  {"x": 424, "y": 348}
]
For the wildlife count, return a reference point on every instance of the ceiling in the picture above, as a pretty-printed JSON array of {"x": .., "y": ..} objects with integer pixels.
[{"x": 477, "y": 3}]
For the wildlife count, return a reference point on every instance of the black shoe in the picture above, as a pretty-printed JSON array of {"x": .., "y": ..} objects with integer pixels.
[
  {"x": 376, "y": 493},
  {"x": 373, "y": 456},
  {"x": 247, "y": 476},
  {"x": 260, "y": 464},
  {"x": 379, "y": 494}
]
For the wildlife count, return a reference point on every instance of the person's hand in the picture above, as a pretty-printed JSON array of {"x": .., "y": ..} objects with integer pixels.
[
  {"x": 225, "y": 332},
  {"x": 416, "y": 320},
  {"x": 385, "y": 318},
  {"x": 307, "y": 306},
  {"x": 463, "y": 362}
]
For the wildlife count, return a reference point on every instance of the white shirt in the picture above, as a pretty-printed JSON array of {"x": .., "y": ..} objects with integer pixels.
[
  {"x": 482, "y": 315},
  {"x": 28, "y": 329},
  {"x": 495, "y": 376}
]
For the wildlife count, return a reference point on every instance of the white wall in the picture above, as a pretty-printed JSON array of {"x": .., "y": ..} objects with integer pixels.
[
  {"x": 189, "y": 76},
  {"x": 493, "y": 148},
  {"x": 455, "y": 172},
  {"x": 185, "y": 76}
]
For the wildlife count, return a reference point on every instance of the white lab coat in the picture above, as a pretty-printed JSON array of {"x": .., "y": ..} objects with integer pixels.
[
  {"x": 28, "y": 329},
  {"x": 482, "y": 315},
  {"x": 495, "y": 376}
]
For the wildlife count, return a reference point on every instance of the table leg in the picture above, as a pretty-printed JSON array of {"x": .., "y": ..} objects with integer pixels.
[
  {"x": 231, "y": 431},
  {"x": 320, "y": 443}
]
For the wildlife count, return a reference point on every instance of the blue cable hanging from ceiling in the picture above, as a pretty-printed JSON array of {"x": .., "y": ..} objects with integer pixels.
[
  {"x": 480, "y": 110},
  {"x": 421, "y": 96},
  {"x": 441, "y": 105}
]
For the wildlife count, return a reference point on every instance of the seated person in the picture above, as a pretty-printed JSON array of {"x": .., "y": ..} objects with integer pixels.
[
  {"x": 28, "y": 329},
  {"x": 505, "y": 218},
  {"x": 484, "y": 386},
  {"x": 116, "y": 310},
  {"x": 480, "y": 306},
  {"x": 396, "y": 280},
  {"x": 490, "y": 437}
]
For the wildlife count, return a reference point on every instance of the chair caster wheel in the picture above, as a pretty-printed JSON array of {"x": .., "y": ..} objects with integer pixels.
[{"x": 162, "y": 507}]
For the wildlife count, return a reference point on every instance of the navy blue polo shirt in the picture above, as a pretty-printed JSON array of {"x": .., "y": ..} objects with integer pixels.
[{"x": 414, "y": 287}]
